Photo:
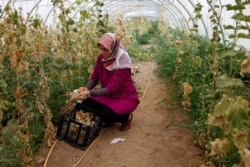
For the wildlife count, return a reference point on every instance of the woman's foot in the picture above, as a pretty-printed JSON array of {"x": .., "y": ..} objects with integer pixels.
[{"x": 126, "y": 126}]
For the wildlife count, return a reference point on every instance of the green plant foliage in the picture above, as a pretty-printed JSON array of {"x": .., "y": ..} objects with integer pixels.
[
  {"x": 241, "y": 21},
  {"x": 144, "y": 38},
  {"x": 218, "y": 101},
  {"x": 39, "y": 66},
  {"x": 238, "y": 114}
]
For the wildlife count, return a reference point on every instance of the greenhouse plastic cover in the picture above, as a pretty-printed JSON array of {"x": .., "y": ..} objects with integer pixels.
[{"x": 177, "y": 13}]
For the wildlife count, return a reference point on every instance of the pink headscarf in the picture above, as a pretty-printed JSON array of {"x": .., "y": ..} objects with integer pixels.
[{"x": 119, "y": 58}]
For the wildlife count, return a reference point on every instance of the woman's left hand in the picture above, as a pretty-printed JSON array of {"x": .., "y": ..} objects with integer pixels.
[
  {"x": 83, "y": 95},
  {"x": 82, "y": 89}
]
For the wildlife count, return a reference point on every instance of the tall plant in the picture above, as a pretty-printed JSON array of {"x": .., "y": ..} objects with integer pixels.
[
  {"x": 218, "y": 105},
  {"x": 39, "y": 65}
]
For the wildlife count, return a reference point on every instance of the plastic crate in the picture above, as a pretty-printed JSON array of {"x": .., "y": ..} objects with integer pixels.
[{"x": 75, "y": 133}]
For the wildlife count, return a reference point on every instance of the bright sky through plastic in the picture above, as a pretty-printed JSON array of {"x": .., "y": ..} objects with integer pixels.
[{"x": 176, "y": 12}]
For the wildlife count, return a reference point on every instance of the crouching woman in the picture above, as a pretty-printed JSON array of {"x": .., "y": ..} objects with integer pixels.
[{"x": 117, "y": 98}]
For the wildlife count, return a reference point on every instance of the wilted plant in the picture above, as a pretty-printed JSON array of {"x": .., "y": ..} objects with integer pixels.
[
  {"x": 178, "y": 57},
  {"x": 213, "y": 68},
  {"x": 39, "y": 65},
  {"x": 187, "y": 89}
]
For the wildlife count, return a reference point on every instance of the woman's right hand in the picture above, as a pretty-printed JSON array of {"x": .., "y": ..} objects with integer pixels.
[{"x": 83, "y": 95}]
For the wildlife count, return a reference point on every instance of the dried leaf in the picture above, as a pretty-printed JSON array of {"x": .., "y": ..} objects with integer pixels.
[
  {"x": 245, "y": 67},
  {"x": 245, "y": 158},
  {"x": 216, "y": 121},
  {"x": 19, "y": 92},
  {"x": 219, "y": 147},
  {"x": 240, "y": 140},
  {"x": 187, "y": 89}
]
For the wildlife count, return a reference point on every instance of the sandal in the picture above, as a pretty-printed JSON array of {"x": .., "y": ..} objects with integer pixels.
[{"x": 126, "y": 126}]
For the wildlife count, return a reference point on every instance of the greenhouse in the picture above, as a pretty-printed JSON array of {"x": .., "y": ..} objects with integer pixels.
[{"x": 179, "y": 68}]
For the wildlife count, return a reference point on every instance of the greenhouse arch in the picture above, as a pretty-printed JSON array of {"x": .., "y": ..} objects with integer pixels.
[{"x": 179, "y": 14}]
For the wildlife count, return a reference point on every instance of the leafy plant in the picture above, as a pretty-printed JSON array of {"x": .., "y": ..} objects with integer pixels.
[
  {"x": 40, "y": 66},
  {"x": 211, "y": 68}
]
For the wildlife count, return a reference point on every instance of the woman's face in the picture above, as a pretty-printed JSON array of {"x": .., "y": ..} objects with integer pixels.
[{"x": 104, "y": 51}]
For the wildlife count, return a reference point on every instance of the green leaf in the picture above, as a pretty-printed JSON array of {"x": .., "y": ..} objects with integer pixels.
[
  {"x": 84, "y": 13},
  {"x": 70, "y": 21},
  {"x": 235, "y": 7},
  {"x": 242, "y": 17},
  {"x": 227, "y": 27},
  {"x": 228, "y": 53},
  {"x": 242, "y": 35},
  {"x": 62, "y": 19},
  {"x": 232, "y": 36},
  {"x": 238, "y": 113},
  {"x": 78, "y": 2}
]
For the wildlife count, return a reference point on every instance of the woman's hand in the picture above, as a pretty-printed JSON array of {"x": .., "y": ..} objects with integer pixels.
[
  {"x": 82, "y": 89},
  {"x": 83, "y": 95}
]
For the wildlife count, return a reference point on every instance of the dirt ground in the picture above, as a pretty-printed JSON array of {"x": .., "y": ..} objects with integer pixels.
[{"x": 155, "y": 139}]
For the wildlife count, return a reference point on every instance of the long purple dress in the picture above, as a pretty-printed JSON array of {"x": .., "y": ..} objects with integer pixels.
[{"x": 123, "y": 97}]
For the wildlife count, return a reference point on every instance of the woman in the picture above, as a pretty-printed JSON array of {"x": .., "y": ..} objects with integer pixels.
[{"x": 117, "y": 98}]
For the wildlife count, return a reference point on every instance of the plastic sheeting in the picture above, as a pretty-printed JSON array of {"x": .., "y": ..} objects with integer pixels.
[{"x": 178, "y": 13}]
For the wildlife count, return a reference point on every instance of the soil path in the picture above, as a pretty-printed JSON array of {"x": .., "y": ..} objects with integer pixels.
[{"x": 154, "y": 140}]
